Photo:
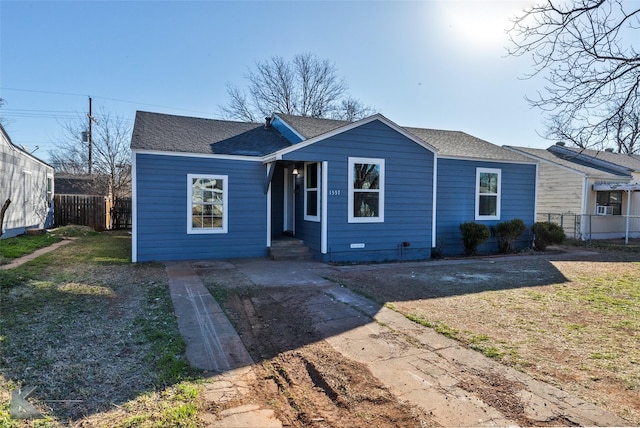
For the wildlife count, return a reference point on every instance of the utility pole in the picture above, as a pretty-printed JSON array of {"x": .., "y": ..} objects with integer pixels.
[{"x": 91, "y": 120}]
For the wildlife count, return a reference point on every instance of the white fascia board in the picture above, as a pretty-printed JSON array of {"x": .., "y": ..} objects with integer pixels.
[
  {"x": 462, "y": 158},
  {"x": 134, "y": 208},
  {"x": 547, "y": 161},
  {"x": 271, "y": 158},
  {"x": 199, "y": 155},
  {"x": 614, "y": 186},
  {"x": 351, "y": 126},
  {"x": 568, "y": 168},
  {"x": 434, "y": 203}
]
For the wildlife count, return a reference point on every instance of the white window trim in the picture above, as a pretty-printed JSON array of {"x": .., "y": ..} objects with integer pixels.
[
  {"x": 498, "y": 195},
  {"x": 48, "y": 193},
  {"x": 380, "y": 217},
  {"x": 225, "y": 204},
  {"x": 316, "y": 217}
]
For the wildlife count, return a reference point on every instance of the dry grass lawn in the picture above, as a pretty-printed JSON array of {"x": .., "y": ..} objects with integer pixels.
[{"x": 572, "y": 323}]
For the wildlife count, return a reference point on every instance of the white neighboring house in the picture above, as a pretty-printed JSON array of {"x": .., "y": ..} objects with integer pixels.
[
  {"x": 28, "y": 182},
  {"x": 597, "y": 193}
]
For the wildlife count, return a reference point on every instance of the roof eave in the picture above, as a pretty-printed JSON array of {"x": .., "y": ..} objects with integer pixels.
[{"x": 351, "y": 126}]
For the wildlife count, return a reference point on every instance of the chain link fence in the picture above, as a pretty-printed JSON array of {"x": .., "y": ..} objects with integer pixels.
[{"x": 590, "y": 226}]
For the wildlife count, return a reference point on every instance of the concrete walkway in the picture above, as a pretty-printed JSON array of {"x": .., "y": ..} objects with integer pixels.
[
  {"x": 212, "y": 342},
  {"x": 24, "y": 259},
  {"x": 416, "y": 363}
]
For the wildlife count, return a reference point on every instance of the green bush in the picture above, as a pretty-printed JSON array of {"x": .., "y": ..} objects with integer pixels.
[
  {"x": 545, "y": 234},
  {"x": 507, "y": 232},
  {"x": 473, "y": 234}
]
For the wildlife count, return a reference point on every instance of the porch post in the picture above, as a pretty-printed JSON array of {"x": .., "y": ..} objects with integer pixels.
[
  {"x": 324, "y": 210},
  {"x": 270, "y": 168},
  {"x": 626, "y": 234}
]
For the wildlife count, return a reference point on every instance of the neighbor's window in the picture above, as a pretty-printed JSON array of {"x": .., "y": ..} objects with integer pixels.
[
  {"x": 366, "y": 190},
  {"x": 488, "y": 187},
  {"x": 311, "y": 191},
  {"x": 49, "y": 190},
  {"x": 610, "y": 199},
  {"x": 207, "y": 199}
]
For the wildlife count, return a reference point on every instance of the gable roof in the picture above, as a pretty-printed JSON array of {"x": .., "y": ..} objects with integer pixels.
[
  {"x": 21, "y": 150},
  {"x": 585, "y": 159},
  {"x": 320, "y": 129},
  {"x": 170, "y": 133},
  {"x": 311, "y": 127},
  {"x": 627, "y": 161},
  {"x": 457, "y": 144},
  {"x": 549, "y": 156},
  {"x": 82, "y": 184},
  {"x": 447, "y": 143}
]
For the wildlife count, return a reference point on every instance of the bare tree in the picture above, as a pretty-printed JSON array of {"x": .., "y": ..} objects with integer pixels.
[
  {"x": 3, "y": 120},
  {"x": 305, "y": 86},
  {"x": 111, "y": 155},
  {"x": 584, "y": 49},
  {"x": 3, "y": 210}
]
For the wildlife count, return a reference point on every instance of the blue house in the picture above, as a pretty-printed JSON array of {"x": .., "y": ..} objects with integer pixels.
[{"x": 368, "y": 190}]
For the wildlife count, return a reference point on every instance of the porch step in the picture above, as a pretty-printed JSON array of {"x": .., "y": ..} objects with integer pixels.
[{"x": 289, "y": 249}]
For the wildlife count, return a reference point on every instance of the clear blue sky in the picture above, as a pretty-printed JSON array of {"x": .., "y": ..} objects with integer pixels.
[{"x": 430, "y": 64}]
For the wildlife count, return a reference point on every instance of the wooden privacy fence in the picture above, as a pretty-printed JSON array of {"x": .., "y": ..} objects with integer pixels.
[
  {"x": 97, "y": 212},
  {"x": 121, "y": 213}
]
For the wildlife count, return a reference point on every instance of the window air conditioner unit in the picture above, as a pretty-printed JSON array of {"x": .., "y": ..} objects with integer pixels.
[{"x": 603, "y": 210}]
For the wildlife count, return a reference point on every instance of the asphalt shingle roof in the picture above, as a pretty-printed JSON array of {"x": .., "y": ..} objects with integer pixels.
[
  {"x": 462, "y": 145},
  {"x": 164, "y": 132},
  {"x": 310, "y": 127},
  {"x": 448, "y": 143},
  {"x": 627, "y": 161},
  {"x": 545, "y": 154}
]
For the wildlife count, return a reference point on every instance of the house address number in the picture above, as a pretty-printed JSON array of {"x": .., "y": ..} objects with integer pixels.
[{"x": 334, "y": 192}]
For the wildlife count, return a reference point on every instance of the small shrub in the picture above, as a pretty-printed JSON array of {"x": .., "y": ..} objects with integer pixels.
[
  {"x": 473, "y": 234},
  {"x": 507, "y": 232},
  {"x": 545, "y": 234}
]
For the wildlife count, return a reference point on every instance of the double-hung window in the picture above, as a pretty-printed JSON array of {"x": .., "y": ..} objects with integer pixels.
[
  {"x": 312, "y": 191},
  {"x": 207, "y": 203},
  {"x": 366, "y": 190},
  {"x": 488, "y": 187}
]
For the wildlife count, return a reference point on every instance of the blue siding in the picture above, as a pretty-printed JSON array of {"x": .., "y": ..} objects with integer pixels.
[
  {"x": 162, "y": 209},
  {"x": 285, "y": 130},
  {"x": 408, "y": 196},
  {"x": 456, "y": 201}
]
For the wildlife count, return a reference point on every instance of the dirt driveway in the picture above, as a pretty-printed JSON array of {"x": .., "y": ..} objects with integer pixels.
[{"x": 318, "y": 370}]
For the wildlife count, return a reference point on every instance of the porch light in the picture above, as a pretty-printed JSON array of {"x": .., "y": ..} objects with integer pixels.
[{"x": 295, "y": 171}]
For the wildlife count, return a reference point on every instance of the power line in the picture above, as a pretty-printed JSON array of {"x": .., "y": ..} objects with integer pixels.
[
  {"x": 48, "y": 114},
  {"x": 43, "y": 114},
  {"x": 42, "y": 92},
  {"x": 103, "y": 98}
]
